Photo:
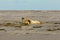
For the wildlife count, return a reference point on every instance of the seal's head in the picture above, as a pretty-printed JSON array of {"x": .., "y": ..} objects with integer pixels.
[{"x": 26, "y": 21}]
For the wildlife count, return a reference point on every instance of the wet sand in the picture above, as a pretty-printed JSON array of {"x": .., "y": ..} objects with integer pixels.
[{"x": 12, "y": 29}]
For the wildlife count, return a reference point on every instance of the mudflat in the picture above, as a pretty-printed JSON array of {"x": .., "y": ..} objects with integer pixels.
[{"x": 11, "y": 27}]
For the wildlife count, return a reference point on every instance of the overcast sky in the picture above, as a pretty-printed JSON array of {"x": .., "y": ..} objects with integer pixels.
[{"x": 29, "y": 4}]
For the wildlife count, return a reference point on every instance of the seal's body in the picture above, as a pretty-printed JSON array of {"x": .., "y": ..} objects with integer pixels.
[
  {"x": 35, "y": 22},
  {"x": 27, "y": 21}
]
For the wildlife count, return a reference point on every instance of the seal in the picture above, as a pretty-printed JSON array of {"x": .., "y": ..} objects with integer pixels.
[{"x": 27, "y": 21}]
